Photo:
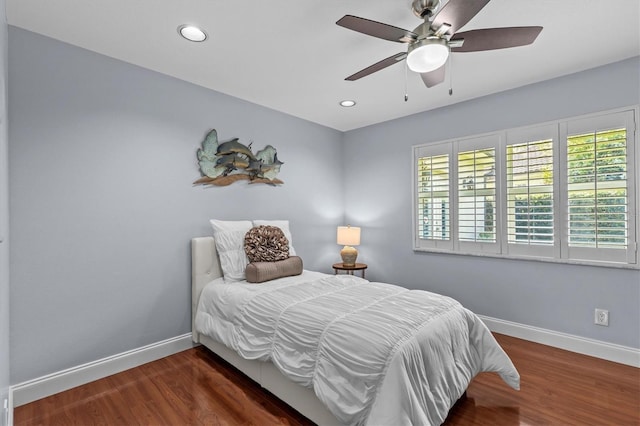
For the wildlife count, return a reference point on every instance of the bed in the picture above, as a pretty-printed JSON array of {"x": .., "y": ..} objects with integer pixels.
[{"x": 398, "y": 392}]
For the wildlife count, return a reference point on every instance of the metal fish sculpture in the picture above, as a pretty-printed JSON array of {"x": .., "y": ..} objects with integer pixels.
[
  {"x": 254, "y": 168},
  {"x": 209, "y": 146},
  {"x": 207, "y": 156},
  {"x": 223, "y": 163},
  {"x": 232, "y": 162},
  {"x": 270, "y": 165},
  {"x": 271, "y": 170},
  {"x": 267, "y": 154},
  {"x": 235, "y": 147}
]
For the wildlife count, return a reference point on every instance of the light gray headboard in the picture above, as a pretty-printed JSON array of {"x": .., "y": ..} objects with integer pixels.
[{"x": 205, "y": 267}]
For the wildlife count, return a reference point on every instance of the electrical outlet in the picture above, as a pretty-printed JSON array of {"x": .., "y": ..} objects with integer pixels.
[{"x": 601, "y": 317}]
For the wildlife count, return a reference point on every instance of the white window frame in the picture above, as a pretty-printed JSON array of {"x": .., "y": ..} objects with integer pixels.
[{"x": 559, "y": 251}]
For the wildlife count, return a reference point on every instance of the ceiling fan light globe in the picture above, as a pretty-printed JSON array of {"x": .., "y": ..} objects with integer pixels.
[{"x": 427, "y": 55}]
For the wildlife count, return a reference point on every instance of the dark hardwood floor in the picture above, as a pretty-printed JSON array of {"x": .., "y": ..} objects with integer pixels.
[{"x": 195, "y": 387}]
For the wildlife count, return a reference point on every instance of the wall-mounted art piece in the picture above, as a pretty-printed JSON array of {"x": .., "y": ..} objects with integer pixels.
[{"x": 222, "y": 163}]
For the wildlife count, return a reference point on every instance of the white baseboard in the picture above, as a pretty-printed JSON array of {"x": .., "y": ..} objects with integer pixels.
[
  {"x": 7, "y": 411},
  {"x": 569, "y": 342},
  {"x": 41, "y": 387}
]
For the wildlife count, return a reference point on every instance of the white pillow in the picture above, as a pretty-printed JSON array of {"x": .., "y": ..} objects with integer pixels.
[
  {"x": 229, "y": 238},
  {"x": 282, "y": 224}
]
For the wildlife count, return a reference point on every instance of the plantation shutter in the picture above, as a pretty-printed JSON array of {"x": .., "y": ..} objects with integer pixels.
[
  {"x": 477, "y": 194},
  {"x": 530, "y": 193},
  {"x": 600, "y": 198},
  {"x": 433, "y": 199}
]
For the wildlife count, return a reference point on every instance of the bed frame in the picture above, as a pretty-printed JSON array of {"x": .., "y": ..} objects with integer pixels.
[{"x": 205, "y": 267}]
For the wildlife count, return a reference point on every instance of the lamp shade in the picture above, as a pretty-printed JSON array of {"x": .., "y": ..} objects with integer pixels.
[{"x": 348, "y": 235}]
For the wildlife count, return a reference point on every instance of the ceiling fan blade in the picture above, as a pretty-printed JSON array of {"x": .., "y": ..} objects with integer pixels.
[
  {"x": 434, "y": 77},
  {"x": 378, "y": 66},
  {"x": 456, "y": 13},
  {"x": 377, "y": 29},
  {"x": 495, "y": 38}
]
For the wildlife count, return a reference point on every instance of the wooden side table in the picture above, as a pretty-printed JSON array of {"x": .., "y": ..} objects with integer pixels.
[{"x": 349, "y": 269}]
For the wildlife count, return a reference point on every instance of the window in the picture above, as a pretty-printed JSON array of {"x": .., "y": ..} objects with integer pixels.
[
  {"x": 530, "y": 193},
  {"x": 477, "y": 193},
  {"x": 434, "y": 198},
  {"x": 600, "y": 189},
  {"x": 561, "y": 191}
]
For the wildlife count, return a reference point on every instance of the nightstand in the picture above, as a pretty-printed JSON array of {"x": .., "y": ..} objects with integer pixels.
[{"x": 349, "y": 269}]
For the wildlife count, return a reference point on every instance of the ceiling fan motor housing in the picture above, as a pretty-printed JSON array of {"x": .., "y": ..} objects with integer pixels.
[{"x": 424, "y": 8}]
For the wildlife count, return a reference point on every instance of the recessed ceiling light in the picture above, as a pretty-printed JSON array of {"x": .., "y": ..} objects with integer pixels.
[
  {"x": 192, "y": 33},
  {"x": 347, "y": 103}
]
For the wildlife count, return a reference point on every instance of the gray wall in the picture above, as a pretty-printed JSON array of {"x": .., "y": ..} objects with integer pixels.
[
  {"x": 552, "y": 296},
  {"x": 102, "y": 160},
  {"x": 4, "y": 219}
]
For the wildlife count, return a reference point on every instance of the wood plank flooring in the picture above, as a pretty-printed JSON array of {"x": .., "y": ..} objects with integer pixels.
[{"x": 195, "y": 387}]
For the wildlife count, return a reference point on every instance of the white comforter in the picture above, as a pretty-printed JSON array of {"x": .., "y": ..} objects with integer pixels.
[{"x": 374, "y": 353}]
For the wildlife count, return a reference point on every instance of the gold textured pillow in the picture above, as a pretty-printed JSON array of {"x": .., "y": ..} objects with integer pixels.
[
  {"x": 266, "y": 243},
  {"x": 258, "y": 272}
]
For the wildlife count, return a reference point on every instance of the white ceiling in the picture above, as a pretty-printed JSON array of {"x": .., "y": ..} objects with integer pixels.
[{"x": 289, "y": 55}]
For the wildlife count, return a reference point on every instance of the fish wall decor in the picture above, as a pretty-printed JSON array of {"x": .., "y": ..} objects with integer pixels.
[{"x": 221, "y": 164}]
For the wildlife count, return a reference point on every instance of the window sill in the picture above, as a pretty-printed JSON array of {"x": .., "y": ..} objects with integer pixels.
[{"x": 613, "y": 265}]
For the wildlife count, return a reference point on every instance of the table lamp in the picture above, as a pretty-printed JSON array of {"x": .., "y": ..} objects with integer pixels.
[{"x": 348, "y": 236}]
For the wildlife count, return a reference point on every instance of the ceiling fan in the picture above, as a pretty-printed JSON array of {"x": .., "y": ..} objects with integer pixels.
[{"x": 431, "y": 42}]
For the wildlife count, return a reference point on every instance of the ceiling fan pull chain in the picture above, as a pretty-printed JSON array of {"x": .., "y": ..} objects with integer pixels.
[
  {"x": 406, "y": 94},
  {"x": 450, "y": 76}
]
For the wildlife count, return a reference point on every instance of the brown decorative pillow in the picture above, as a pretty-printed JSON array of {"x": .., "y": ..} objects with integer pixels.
[
  {"x": 266, "y": 244},
  {"x": 258, "y": 272}
]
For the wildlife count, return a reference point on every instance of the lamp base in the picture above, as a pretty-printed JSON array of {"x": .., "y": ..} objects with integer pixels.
[{"x": 349, "y": 255}]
